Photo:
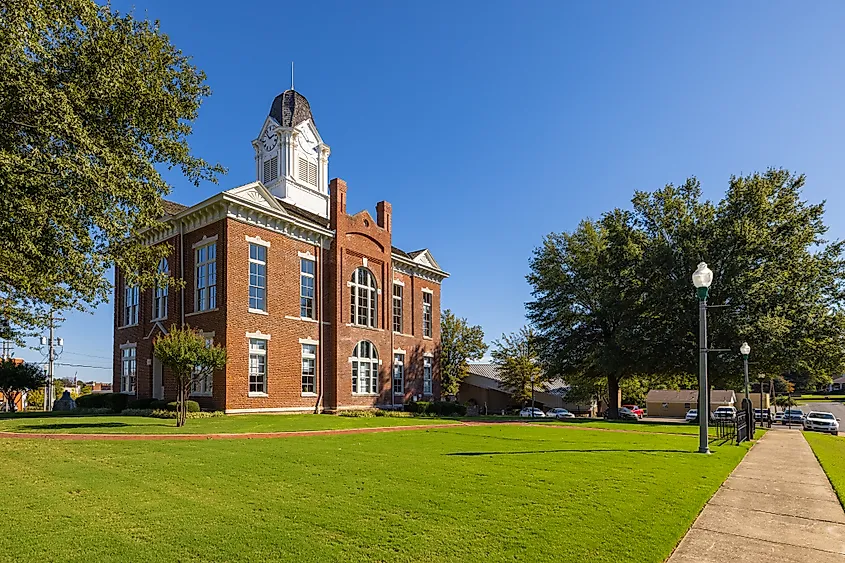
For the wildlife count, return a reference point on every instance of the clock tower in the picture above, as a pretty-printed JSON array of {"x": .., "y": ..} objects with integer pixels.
[{"x": 291, "y": 159}]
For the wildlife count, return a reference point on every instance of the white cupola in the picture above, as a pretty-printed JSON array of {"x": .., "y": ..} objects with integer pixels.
[{"x": 291, "y": 159}]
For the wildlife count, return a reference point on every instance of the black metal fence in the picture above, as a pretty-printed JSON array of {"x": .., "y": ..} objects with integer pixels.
[{"x": 734, "y": 430}]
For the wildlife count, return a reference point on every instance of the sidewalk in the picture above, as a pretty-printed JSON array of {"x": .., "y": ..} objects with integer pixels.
[{"x": 777, "y": 505}]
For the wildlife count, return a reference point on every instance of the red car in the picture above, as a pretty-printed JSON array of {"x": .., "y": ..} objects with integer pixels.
[{"x": 636, "y": 410}]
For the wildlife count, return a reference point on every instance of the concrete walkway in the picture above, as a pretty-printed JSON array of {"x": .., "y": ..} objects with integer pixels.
[{"x": 777, "y": 505}]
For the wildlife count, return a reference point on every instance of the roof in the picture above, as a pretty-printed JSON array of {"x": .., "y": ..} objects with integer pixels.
[
  {"x": 172, "y": 208},
  {"x": 290, "y": 108},
  {"x": 839, "y": 379},
  {"x": 490, "y": 371},
  {"x": 307, "y": 216},
  {"x": 688, "y": 396}
]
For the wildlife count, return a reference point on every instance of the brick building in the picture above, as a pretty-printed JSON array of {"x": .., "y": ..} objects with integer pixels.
[{"x": 316, "y": 307}]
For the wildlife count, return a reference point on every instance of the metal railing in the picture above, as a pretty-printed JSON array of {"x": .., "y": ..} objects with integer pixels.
[{"x": 734, "y": 430}]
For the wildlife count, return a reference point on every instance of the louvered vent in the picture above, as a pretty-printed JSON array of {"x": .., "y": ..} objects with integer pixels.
[
  {"x": 307, "y": 171},
  {"x": 271, "y": 169}
]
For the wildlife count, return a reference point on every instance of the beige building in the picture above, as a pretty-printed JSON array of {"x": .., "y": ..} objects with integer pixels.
[
  {"x": 675, "y": 404},
  {"x": 755, "y": 400}
]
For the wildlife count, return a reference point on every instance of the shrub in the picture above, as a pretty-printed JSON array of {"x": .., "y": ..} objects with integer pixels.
[
  {"x": 141, "y": 403},
  {"x": 114, "y": 401},
  {"x": 191, "y": 414},
  {"x": 446, "y": 408},
  {"x": 191, "y": 406},
  {"x": 369, "y": 413},
  {"x": 105, "y": 410},
  {"x": 420, "y": 407},
  {"x": 137, "y": 412},
  {"x": 393, "y": 414}
]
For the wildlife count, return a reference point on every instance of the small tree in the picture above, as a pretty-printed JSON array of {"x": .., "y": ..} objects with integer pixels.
[
  {"x": 189, "y": 358},
  {"x": 517, "y": 358},
  {"x": 459, "y": 343},
  {"x": 17, "y": 377}
]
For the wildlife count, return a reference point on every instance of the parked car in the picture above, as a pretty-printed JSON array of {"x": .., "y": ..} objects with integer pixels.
[
  {"x": 794, "y": 416},
  {"x": 527, "y": 413},
  {"x": 821, "y": 421},
  {"x": 779, "y": 416},
  {"x": 692, "y": 415},
  {"x": 635, "y": 409},
  {"x": 725, "y": 413},
  {"x": 627, "y": 414},
  {"x": 762, "y": 415},
  {"x": 560, "y": 413}
]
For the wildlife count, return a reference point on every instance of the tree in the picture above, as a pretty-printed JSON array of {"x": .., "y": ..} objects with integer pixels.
[
  {"x": 185, "y": 352},
  {"x": 18, "y": 377},
  {"x": 459, "y": 343},
  {"x": 589, "y": 304},
  {"x": 95, "y": 103},
  {"x": 518, "y": 361}
]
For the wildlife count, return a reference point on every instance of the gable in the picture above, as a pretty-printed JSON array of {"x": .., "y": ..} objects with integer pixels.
[
  {"x": 256, "y": 194},
  {"x": 424, "y": 258}
]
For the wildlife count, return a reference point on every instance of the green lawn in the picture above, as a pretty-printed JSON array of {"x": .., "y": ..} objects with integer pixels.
[
  {"x": 468, "y": 493},
  {"x": 830, "y": 451},
  {"x": 221, "y": 425},
  {"x": 832, "y": 398}
]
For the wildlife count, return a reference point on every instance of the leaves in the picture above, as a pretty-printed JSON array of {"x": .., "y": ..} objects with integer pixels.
[
  {"x": 17, "y": 377},
  {"x": 459, "y": 343},
  {"x": 94, "y": 103},
  {"x": 517, "y": 358}
]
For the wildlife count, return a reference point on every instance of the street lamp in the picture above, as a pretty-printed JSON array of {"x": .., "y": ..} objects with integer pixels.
[
  {"x": 745, "y": 349},
  {"x": 761, "y": 377},
  {"x": 701, "y": 279}
]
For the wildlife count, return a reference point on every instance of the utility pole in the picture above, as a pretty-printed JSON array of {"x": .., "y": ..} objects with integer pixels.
[{"x": 51, "y": 342}]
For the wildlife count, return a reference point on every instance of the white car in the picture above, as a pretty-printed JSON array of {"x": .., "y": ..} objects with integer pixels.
[
  {"x": 560, "y": 413},
  {"x": 527, "y": 413},
  {"x": 692, "y": 414},
  {"x": 725, "y": 413},
  {"x": 822, "y": 421}
]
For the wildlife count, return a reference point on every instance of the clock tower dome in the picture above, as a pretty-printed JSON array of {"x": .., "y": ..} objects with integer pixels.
[{"x": 291, "y": 159}]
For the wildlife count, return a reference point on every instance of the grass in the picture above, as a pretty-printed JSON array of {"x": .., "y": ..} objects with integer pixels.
[
  {"x": 446, "y": 494},
  {"x": 830, "y": 451},
  {"x": 221, "y": 425},
  {"x": 831, "y": 398}
]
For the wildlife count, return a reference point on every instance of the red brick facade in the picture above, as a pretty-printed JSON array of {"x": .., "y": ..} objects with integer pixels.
[{"x": 338, "y": 246}]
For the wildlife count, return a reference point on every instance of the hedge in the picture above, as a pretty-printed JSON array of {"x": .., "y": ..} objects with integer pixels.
[
  {"x": 439, "y": 408},
  {"x": 117, "y": 402}
]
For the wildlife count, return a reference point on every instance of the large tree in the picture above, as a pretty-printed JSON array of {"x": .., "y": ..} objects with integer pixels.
[
  {"x": 517, "y": 358},
  {"x": 93, "y": 105},
  {"x": 589, "y": 303},
  {"x": 18, "y": 377},
  {"x": 459, "y": 343},
  {"x": 189, "y": 358}
]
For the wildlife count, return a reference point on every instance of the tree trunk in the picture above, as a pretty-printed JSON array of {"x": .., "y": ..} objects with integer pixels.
[
  {"x": 180, "y": 401},
  {"x": 612, "y": 397}
]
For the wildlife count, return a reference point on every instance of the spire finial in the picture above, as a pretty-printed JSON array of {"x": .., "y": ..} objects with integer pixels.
[{"x": 291, "y": 75}]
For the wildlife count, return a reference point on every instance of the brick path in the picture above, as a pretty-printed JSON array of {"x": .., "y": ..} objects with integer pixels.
[{"x": 777, "y": 505}]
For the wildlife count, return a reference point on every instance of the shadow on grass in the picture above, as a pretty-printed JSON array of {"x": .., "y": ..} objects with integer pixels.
[
  {"x": 578, "y": 451},
  {"x": 73, "y": 425}
]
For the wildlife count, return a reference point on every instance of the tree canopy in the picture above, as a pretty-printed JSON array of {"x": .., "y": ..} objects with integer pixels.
[
  {"x": 95, "y": 104},
  {"x": 614, "y": 298},
  {"x": 518, "y": 361},
  {"x": 190, "y": 357},
  {"x": 459, "y": 343},
  {"x": 17, "y": 377}
]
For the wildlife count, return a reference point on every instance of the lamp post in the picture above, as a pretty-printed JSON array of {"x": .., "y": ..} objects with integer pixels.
[
  {"x": 745, "y": 349},
  {"x": 532, "y": 395},
  {"x": 761, "y": 377},
  {"x": 701, "y": 279}
]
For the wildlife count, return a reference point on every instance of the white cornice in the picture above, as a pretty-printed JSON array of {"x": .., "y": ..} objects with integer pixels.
[{"x": 406, "y": 266}]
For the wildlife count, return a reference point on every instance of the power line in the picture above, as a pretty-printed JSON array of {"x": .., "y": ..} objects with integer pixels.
[
  {"x": 82, "y": 366},
  {"x": 87, "y": 355}
]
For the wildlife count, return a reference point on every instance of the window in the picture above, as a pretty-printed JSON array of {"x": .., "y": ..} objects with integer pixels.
[
  {"x": 427, "y": 376},
  {"x": 307, "y": 171},
  {"x": 160, "y": 296},
  {"x": 398, "y": 374},
  {"x": 397, "y": 308},
  {"x": 306, "y": 288},
  {"x": 257, "y": 277},
  {"x": 271, "y": 169},
  {"x": 127, "y": 375},
  {"x": 203, "y": 385},
  {"x": 309, "y": 367},
  {"x": 206, "y": 265},
  {"x": 363, "y": 294},
  {"x": 130, "y": 305},
  {"x": 257, "y": 365},
  {"x": 426, "y": 314},
  {"x": 365, "y": 368}
]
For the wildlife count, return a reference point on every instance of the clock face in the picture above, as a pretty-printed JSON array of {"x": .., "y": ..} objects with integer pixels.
[
  {"x": 269, "y": 140},
  {"x": 306, "y": 143}
]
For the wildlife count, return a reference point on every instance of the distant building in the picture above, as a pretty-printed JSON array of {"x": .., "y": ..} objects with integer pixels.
[
  {"x": 675, "y": 404},
  {"x": 837, "y": 385},
  {"x": 97, "y": 387}
]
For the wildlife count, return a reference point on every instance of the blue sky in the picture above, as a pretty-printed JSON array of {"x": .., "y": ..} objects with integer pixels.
[{"x": 489, "y": 124}]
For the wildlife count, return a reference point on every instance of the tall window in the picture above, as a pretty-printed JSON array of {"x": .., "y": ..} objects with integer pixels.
[
  {"x": 427, "y": 314},
  {"x": 309, "y": 367},
  {"x": 397, "y": 307},
  {"x": 206, "y": 275},
  {"x": 257, "y": 365},
  {"x": 427, "y": 376},
  {"x": 365, "y": 368},
  {"x": 306, "y": 288},
  {"x": 398, "y": 374},
  {"x": 130, "y": 305},
  {"x": 363, "y": 295},
  {"x": 127, "y": 376},
  {"x": 257, "y": 277},
  {"x": 160, "y": 297},
  {"x": 203, "y": 385}
]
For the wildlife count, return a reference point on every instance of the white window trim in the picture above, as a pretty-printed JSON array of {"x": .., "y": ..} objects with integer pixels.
[
  {"x": 266, "y": 364},
  {"x": 258, "y": 311},
  {"x": 399, "y": 282},
  {"x": 192, "y": 313},
  {"x": 307, "y": 255},
  {"x": 192, "y": 393},
  {"x": 257, "y": 394},
  {"x": 309, "y": 341},
  {"x": 258, "y": 335},
  {"x": 393, "y": 374},
  {"x": 427, "y": 290},
  {"x": 204, "y": 241},
  {"x": 129, "y": 346},
  {"x": 306, "y": 319},
  {"x": 165, "y": 296},
  {"x": 303, "y": 356},
  {"x": 251, "y": 260},
  {"x": 428, "y": 355},
  {"x": 257, "y": 240}
]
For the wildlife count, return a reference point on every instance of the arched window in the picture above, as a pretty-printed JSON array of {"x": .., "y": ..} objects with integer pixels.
[
  {"x": 365, "y": 368},
  {"x": 160, "y": 299},
  {"x": 363, "y": 297}
]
